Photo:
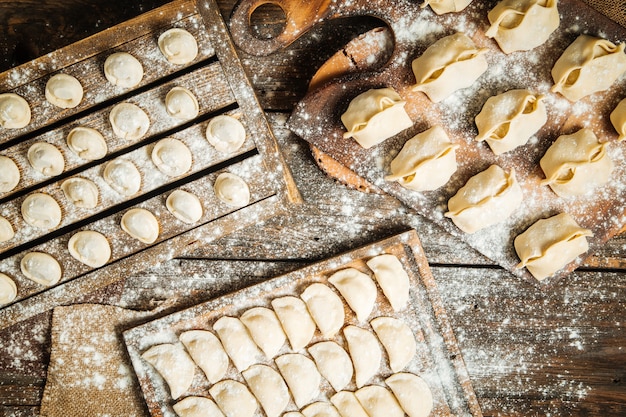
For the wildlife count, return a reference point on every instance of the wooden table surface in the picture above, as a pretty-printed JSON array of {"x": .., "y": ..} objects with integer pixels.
[{"x": 558, "y": 352}]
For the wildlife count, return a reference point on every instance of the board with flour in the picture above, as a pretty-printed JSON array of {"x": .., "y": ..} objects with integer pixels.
[{"x": 217, "y": 80}]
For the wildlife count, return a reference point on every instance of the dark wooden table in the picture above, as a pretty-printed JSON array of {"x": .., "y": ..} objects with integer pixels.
[{"x": 528, "y": 351}]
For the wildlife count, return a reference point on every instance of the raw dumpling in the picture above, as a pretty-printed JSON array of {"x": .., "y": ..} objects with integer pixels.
[
  {"x": 9, "y": 174},
  {"x": 269, "y": 388},
  {"x": 123, "y": 176},
  {"x": 576, "y": 164},
  {"x": 358, "y": 289},
  {"x": 140, "y": 224},
  {"x": 41, "y": 211},
  {"x": 333, "y": 363},
  {"x": 295, "y": 320},
  {"x": 293, "y": 414},
  {"x": 522, "y": 25},
  {"x": 348, "y": 404},
  {"x": 392, "y": 278},
  {"x": 426, "y": 161},
  {"x": 446, "y": 6},
  {"x": 181, "y": 103},
  {"x": 64, "y": 91},
  {"x": 46, "y": 158},
  {"x": 185, "y": 206},
  {"x": 81, "y": 192},
  {"x": 378, "y": 401},
  {"x": 234, "y": 398},
  {"x": 87, "y": 143},
  {"x": 178, "y": 46},
  {"x": 207, "y": 352},
  {"x": 8, "y": 289},
  {"x": 90, "y": 248},
  {"x": 618, "y": 118},
  {"x": 232, "y": 190},
  {"x": 6, "y": 230},
  {"x": 587, "y": 66},
  {"x": 549, "y": 244},
  {"x": 325, "y": 307},
  {"x": 172, "y": 157},
  {"x": 237, "y": 342},
  {"x": 197, "y": 407},
  {"x": 14, "y": 111},
  {"x": 174, "y": 365},
  {"x": 301, "y": 377},
  {"x": 397, "y": 339},
  {"x": 413, "y": 394},
  {"x": 487, "y": 198},
  {"x": 508, "y": 120},
  {"x": 265, "y": 329},
  {"x": 448, "y": 65},
  {"x": 320, "y": 409},
  {"x": 225, "y": 133},
  {"x": 123, "y": 69},
  {"x": 129, "y": 121},
  {"x": 365, "y": 353},
  {"x": 41, "y": 268}
]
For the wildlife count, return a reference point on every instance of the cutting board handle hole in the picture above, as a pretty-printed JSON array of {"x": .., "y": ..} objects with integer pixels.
[{"x": 268, "y": 21}]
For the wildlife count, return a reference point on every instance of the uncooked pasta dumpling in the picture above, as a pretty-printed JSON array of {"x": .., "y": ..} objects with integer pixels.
[
  {"x": 358, "y": 289},
  {"x": 87, "y": 143},
  {"x": 181, "y": 103},
  {"x": 41, "y": 210},
  {"x": 378, "y": 401},
  {"x": 320, "y": 409},
  {"x": 392, "y": 279},
  {"x": 185, "y": 206},
  {"x": 90, "y": 247},
  {"x": 448, "y": 65},
  {"x": 197, "y": 407},
  {"x": 173, "y": 364},
  {"x": 207, "y": 352},
  {"x": 14, "y": 111},
  {"x": 178, "y": 46},
  {"x": 325, "y": 307},
  {"x": 587, "y": 66},
  {"x": 508, "y": 120},
  {"x": 365, "y": 353},
  {"x": 140, "y": 224},
  {"x": 397, "y": 339},
  {"x": 295, "y": 319},
  {"x": 172, "y": 157},
  {"x": 265, "y": 329},
  {"x": 64, "y": 91},
  {"x": 129, "y": 121},
  {"x": 123, "y": 176},
  {"x": 237, "y": 342},
  {"x": 232, "y": 190},
  {"x": 123, "y": 69},
  {"x": 576, "y": 164},
  {"x": 234, "y": 398},
  {"x": 301, "y": 376},
  {"x": 446, "y": 6},
  {"x": 487, "y": 198},
  {"x": 412, "y": 392},
  {"x": 333, "y": 362},
  {"x": 550, "y": 244},
  {"x": 6, "y": 229},
  {"x": 618, "y": 118},
  {"x": 81, "y": 192},
  {"x": 225, "y": 133},
  {"x": 522, "y": 25},
  {"x": 9, "y": 174},
  {"x": 41, "y": 268},
  {"x": 426, "y": 161},
  {"x": 46, "y": 158},
  {"x": 348, "y": 404},
  {"x": 374, "y": 116},
  {"x": 293, "y": 414},
  {"x": 269, "y": 388},
  {"x": 8, "y": 289}
]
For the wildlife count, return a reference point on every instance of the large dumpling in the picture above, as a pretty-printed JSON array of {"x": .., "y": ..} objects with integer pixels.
[
  {"x": 234, "y": 398},
  {"x": 618, "y": 118},
  {"x": 269, "y": 388},
  {"x": 265, "y": 329},
  {"x": 295, "y": 319},
  {"x": 365, "y": 353},
  {"x": 412, "y": 392},
  {"x": 237, "y": 342},
  {"x": 207, "y": 352},
  {"x": 446, "y": 6},
  {"x": 379, "y": 402},
  {"x": 197, "y": 407},
  {"x": 392, "y": 278},
  {"x": 174, "y": 365},
  {"x": 358, "y": 289},
  {"x": 348, "y": 404},
  {"x": 325, "y": 307},
  {"x": 333, "y": 362},
  {"x": 397, "y": 339},
  {"x": 301, "y": 376}
]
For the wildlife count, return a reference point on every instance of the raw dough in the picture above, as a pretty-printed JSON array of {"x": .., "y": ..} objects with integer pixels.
[
  {"x": 358, "y": 289},
  {"x": 8, "y": 289},
  {"x": 320, "y": 409},
  {"x": 618, "y": 118},
  {"x": 232, "y": 190},
  {"x": 185, "y": 206},
  {"x": 269, "y": 388},
  {"x": 301, "y": 376},
  {"x": 9, "y": 174},
  {"x": 325, "y": 307},
  {"x": 123, "y": 69},
  {"x": 446, "y": 6},
  {"x": 234, "y": 399},
  {"x": 374, "y": 116},
  {"x": 549, "y": 244},
  {"x": 14, "y": 111},
  {"x": 576, "y": 164},
  {"x": 6, "y": 230},
  {"x": 348, "y": 404},
  {"x": 46, "y": 158},
  {"x": 174, "y": 365},
  {"x": 295, "y": 319},
  {"x": 448, "y": 65},
  {"x": 392, "y": 279},
  {"x": 521, "y": 25},
  {"x": 293, "y": 414},
  {"x": 426, "y": 161},
  {"x": 64, "y": 91},
  {"x": 123, "y": 176},
  {"x": 129, "y": 121},
  {"x": 178, "y": 46},
  {"x": 397, "y": 339},
  {"x": 197, "y": 407},
  {"x": 41, "y": 268},
  {"x": 140, "y": 224},
  {"x": 172, "y": 157},
  {"x": 378, "y": 401},
  {"x": 587, "y": 66},
  {"x": 237, "y": 342},
  {"x": 87, "y": 143},
  {"x": 333, "y": 362},
  {"x": 41, "y": 211},
  {"x": 90, "y": 248},
  {"x": 265, "y": 329},
  {"x": 413, "y": 394},
  {"x": 81, "y": 192},
  {"x": 487, "y": 198},
  {"x": 181, "y": 103},
  {"x": 207, "y": 352},
  {"x": 365, "y": 353},
  {"x": 225, "y": 133},
  {"x": 508, "y": 120}
]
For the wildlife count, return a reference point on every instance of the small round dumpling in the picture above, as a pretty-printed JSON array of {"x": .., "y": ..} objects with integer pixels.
[
  {"x": 123, "y": 69},
  {"x": 234, "y": 398},
  {"x": 172, "y": 157},
  {"x": 8, "y": 289},
  {"x": 325, "y": 307},
  {"x": 358, "y": 289},
  {"x": 6, "y": 230},
  {"x": 41, "y": 211},
  {"x": 9, "y": 174},
  {"x": 365, "y": 353},
  {"x": 90, "y": 248},
  {"x": 413, "y": 394},
  {"x": 301, "y": 376},
  {"x": 87, "y": 143},
  {"x": 237, "y": 342},
  {"x": 181, "y": 103},
  {"x": 392, "y": 278},
  {"x": 46, "y": 158},
  {"x": 123, "y": 176},
  {"x": 14, "y": 111},
  {"x": 185, "y": 206},
  {"x": 225, "y": 133},
  {"x": 140, "y": 224},
  {"x": 265, "y": 329},
  {"x": 295, "y": 319},
  {"x": 397, "y": 339},
  {"x": 81, "y": 192},
  {"x": 178, "y": 46},
  {"x": 129, "y": 121},
  {"x": 232, "y": 190},
  {"x": 64, "y": 91},
  {"x": 197, "y": 407},
  {"x": 41, "y": 268},
  {"x": 174, "y": 365},
  {"x": 207, "y": 352},
  {"x": 333, "y": 362},
  {"x": 378, "y": 401},
  {"x": 269, "y": 388}
]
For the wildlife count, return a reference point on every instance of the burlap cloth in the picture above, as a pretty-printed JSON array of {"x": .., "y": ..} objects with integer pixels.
[{"x": 614, "y": 9}]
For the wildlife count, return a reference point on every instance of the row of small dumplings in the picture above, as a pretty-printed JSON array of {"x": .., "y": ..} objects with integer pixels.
[
  {"x": 260, "y": 333},
  {"x": 92, "y": 248},
  {"x": 122, "y": 69}
]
